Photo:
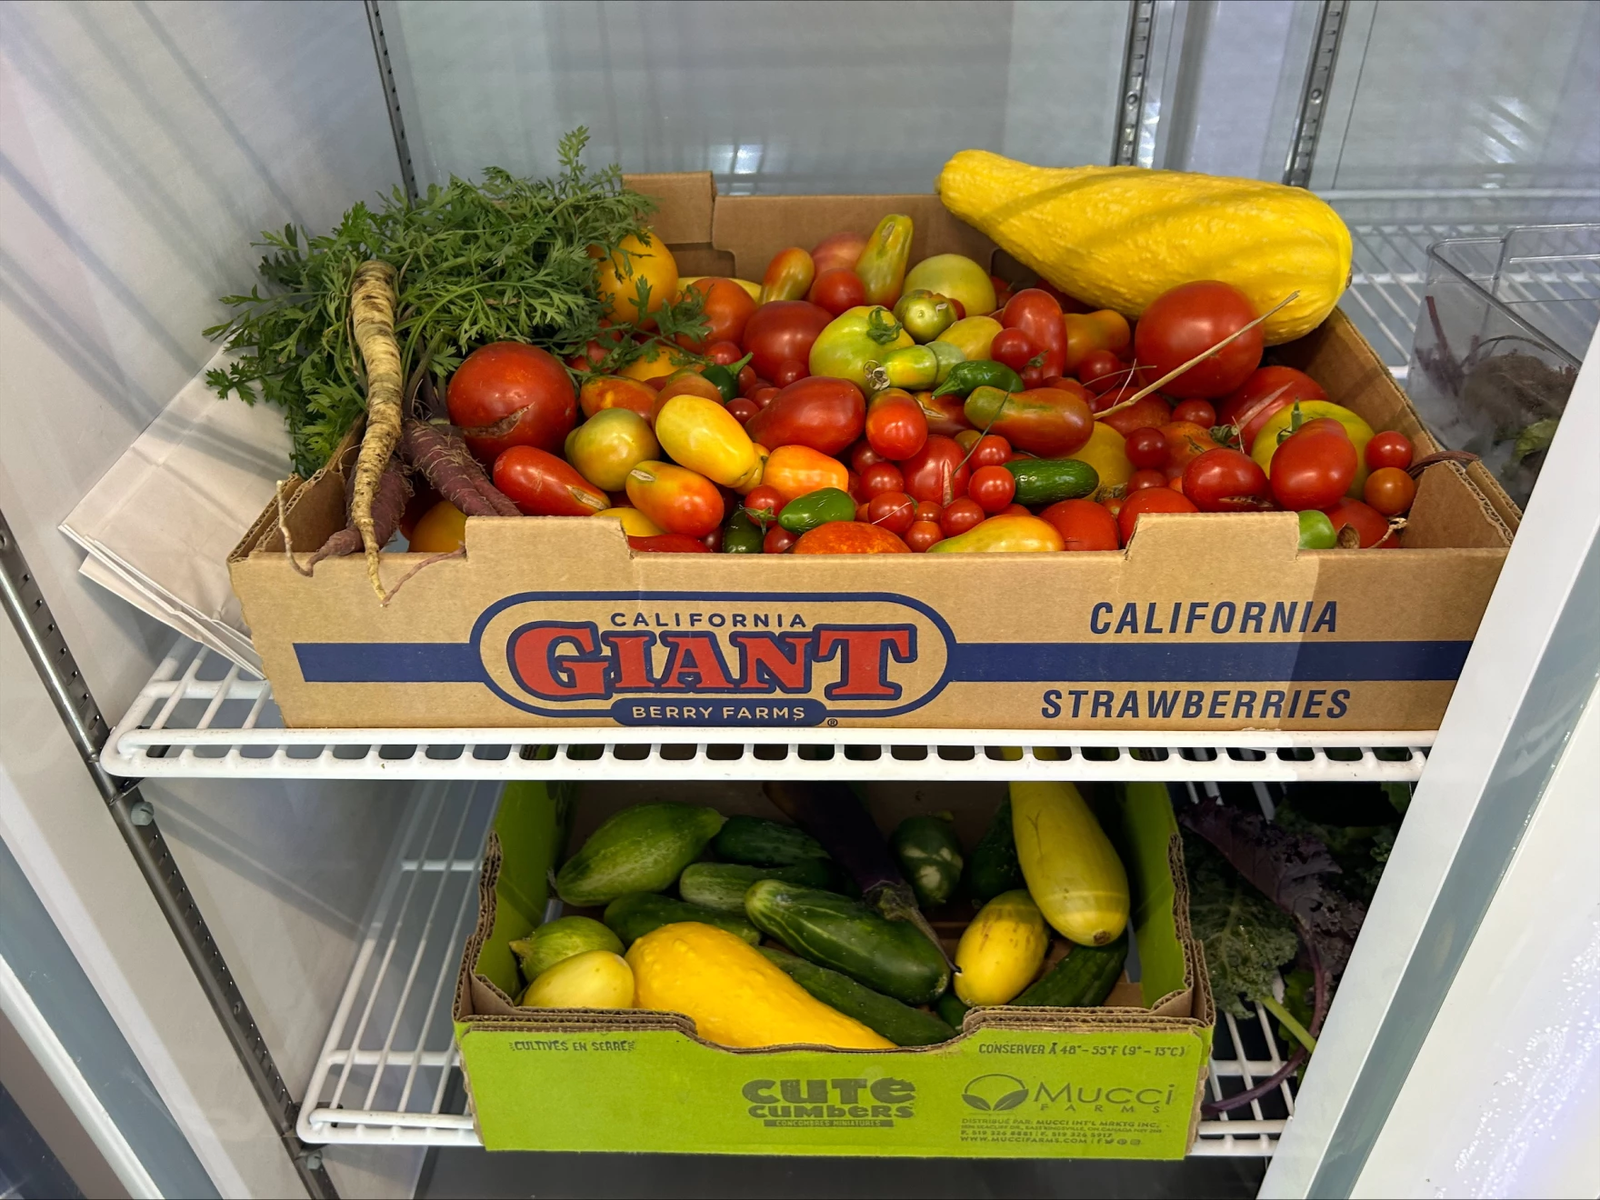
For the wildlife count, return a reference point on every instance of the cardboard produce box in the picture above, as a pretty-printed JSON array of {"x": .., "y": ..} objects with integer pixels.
[
  {"x": 1204, "y": 622},
  {"x": 1120, "y": 1081}
]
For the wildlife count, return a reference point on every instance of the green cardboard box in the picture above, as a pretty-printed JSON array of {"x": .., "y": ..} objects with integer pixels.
[{"x": 1120, "y": 1081}]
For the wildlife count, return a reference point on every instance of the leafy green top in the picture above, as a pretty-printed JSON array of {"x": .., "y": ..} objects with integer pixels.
[{"x": 1246, "y": 937}]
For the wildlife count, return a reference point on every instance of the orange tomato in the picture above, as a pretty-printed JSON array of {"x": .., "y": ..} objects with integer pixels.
[
  {"x": 677, "y": 500},
  {"x": 443, "y": 528},
  {"x": 612, "y": 391},
  {"x": 618, "y": 277},
  {"x": 796, "y": 470},
  {"x": 727, "y": 308},
  {"x": 658, "y": 360},
  {"x": 849, "y": 537}
]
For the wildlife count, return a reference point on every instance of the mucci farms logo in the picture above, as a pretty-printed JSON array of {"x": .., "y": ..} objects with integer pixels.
[
  {"x": 995, "y": 1093},
  {"x": 735, "y": 658},
  {"x": 804, "y": 1103},
  {"x": 1004, "y": 1093}
]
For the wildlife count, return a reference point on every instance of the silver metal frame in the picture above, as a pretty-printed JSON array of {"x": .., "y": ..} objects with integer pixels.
[
  {"x": 1314, "y": 97},
  {"x": 391, "y": 98}
]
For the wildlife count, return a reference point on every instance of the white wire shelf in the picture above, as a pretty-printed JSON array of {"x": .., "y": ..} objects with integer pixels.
[
  {"x": 389, "y": 1073},
  {"x": 202, "y": 716}
]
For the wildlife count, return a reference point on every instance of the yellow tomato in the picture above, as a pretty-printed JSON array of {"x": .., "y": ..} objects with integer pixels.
[
  {"x": 1105, "y": 452},
  {"x": 704, "y": 436},
  {"x": 441, "y": 529},
  {"x": 972, "y": 336},
  {"x": 634, "y": 522},
  {"x": 957, "y": 277},
  {"x": 619, "y": 276},
  {"x": 1266, "y": 443},
  {"x": 656, "y": 361},
  {"x": 609, "y": 445}
]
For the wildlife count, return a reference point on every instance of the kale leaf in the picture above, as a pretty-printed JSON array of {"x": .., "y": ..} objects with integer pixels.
[{"x": 1246, "y": 937}]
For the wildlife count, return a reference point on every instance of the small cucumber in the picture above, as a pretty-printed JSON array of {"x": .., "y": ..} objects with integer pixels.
[
  {"x": 994, "y": 867},
  {"x": 1083, "y": 979},
  {"x": 632, "y": 916},
  {"x": 560, "y": 939},
  {"x": 722, "y": 885},
  {"x": 640, "y": 849},
  {"x": 900, "y": 1023},
  {"x": 930, "y": 857},
  {"x": 1046, "y": 480},
  {"x": 757, "y": 842},
  {"x": 953, "y": 1009}
]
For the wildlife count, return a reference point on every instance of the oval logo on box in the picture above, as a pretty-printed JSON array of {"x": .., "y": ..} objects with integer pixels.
[{"x": 729, "y": 658}]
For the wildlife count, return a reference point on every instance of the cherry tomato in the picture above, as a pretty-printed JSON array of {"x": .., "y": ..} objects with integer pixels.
[
  {"x": 516, "y": 383},
  {"x": 1101, "y": 370},
  {"x": 1113, "y": 505},
  {"x": 862, "y": 456},
  {"x": 724, "y": 354},
  {"x": 763, "y": 396},
  {"x": 895, "y": 426},
  {"x": 1200, "y": 412},
  {"x": 1369, "y": 524},
  {"x": 1014, "y": 510},
  {"x": 792, "y": 371},
  {"x": 1012, "y": 347},
  {"x": 1038, "y": 314},
  {"x": 1152, "y": 410},
  {"x": 937, "y": 472},
  {"x": 742, "y": 409},
  {"x": 861, "y": 511},
  {"x": 1150, "y": 500},
  {"x": 838, "y": 290},
  {"x": 1186, "y": 441},
  {"x": 1389, "y": 449},
  {"x": 1389, "y": 490},
  {"x": 853, "y": 486},
  {"x": 894, "y": 511},
  {"x": 728, "y": 308},
  {"x": 748, "y": 381},
  {"x": 1224, "y": 480},
  {"x": 1264, "y": 391},
  {"x": 992, "y": 488},
  {"x": 1145, "y": 477},
  {"x": 713, "y": 540},
  {"x": 927, "y": 510},
  {"x": 923, "y": 534},
  {"x": 991, "y": 450},
  {"x": 1187, "y": 321},
  {"x": 1312, "y": 469},
  {"x": 764, "y": 503},
  {"x": 1032, "y": 376},
  {"x": 882, "y": 477},
  {"x": 961, "y": 515},
  {"x": 967, "y": 439},
  {"x": 1084, "y": 525},
  {"x": 778, "y": 540},
  {"x": 783, "y": 331},
  {"x": 823, "y": 413},
  {"x": 1146, "y": 448}
]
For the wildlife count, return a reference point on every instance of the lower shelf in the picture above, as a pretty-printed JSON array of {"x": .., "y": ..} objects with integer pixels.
[{"x": 389, "y": 1073}]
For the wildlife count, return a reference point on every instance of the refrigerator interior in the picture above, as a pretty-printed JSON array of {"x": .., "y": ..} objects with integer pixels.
[{"x": 144, "y": 145}]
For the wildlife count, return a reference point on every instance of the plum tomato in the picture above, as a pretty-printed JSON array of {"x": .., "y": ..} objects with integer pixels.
[
  {"x": 1389, "y": 490},
  {"x": 992, "y": 488},
  {"x": 1187, "y": 321},
  {"x": 927, "y": 510},
  {"x": 728, "y": 308},
  {"x": 838, "y": 290},
  {"x": 1200, "y": 412},
  {"x": 1389, "y": 449},
  {"x": 792, "y": 371},
  {"x": 1150, "y": 500},
  {"x": 1083, "y": 525},
  {"x": 778, "y": 540},
  {"x": 882, "y": 477},
  {"x": 894, "y": 511},
  {"x": 991, "y": 450},
  {"x": 511, "y": 394},
  {"x": 825, "y": 414},
  {"x": 1146, "y": 448},
  {"x": 1144, "y": 478},
  {"x": 937, "y": 472},
  {"x": 1012, "y": 347},
  {"x": 724, "y": 354},
  {"x": 1368, "y": 524},
  {"x": 741, "y": 409},
  {"x": 783, "y": 331},
  {"x": 1224, "y": 480},
  {"x": 923, "y": 534},
  {"x": 1312, "y": 469},
  {"x": 961, "y": 515}
]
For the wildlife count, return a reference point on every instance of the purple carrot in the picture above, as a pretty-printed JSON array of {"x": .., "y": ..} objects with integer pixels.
[{"x": 446, "y": 463}]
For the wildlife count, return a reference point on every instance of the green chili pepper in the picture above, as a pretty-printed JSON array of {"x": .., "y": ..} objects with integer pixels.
[
  {"x": 741, "y": 535},
  {"x": 805, "y": 513},
  {"x": 966, "y": 376},
  {"x": 726, "y": 378}
]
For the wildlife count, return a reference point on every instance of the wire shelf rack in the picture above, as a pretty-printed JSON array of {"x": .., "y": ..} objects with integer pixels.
[{"x": 202, "y": 716}]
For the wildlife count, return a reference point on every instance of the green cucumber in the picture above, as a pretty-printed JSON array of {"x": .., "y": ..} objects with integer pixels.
[
  {"x": 757, "y": 842},
  {"x": 722, "y": 885},
  {"x": 900, "y": 1023},
  {"x": 632, "y": 916},
  {"x": 558, "y": 940},
  {"x": 640, "y": 849},
  {"x": 993, "y": 867},
  {"x": 1046, "y": 480},
  {"x": 893, "y": 957},
  {"x": 952, "y": 1008},
  {"x": 930, "y": 857},
  {"x": 1083, "y": 979}
]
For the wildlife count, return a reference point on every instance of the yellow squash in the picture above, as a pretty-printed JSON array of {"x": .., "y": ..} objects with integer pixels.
[
  {"x": 734, "y": 995},
  {"x": 593, "y": 979},
  {"x": 1001, "y": 950},
  {"x": 1117, "y": 237},
  {"x": 1071, "y": 870}
]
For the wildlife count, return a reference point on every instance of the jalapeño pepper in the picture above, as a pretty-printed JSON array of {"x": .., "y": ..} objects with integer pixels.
[
  {"x": 726, "y": 378},
  {"x": 805, "y": 513},
  {"x": 741, "y": 535},
  {"x": 964, "y": 377}
]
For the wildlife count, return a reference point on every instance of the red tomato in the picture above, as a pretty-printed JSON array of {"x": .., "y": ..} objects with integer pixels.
[
  {"x": 894, "y": 511},
  {"x": 861, "y": 511},
  {"x": 764, "y": 503},
  {"x": 542, "y": 485},
  {"x": 1113, "y": 505},
  {"x": 1146, "y": 448},
  {"x": 882, "y": 477},
  {"x": 1146, "y": 477},
  {"x": 923, "y": 534},
  {"x": 712, "y": 541},
  {"x": 991, "y": 450},
  {"x": 1389, "y": 449},
  {"x": 862, "y": 456},
  {"x": 1198, "y": 411},
  {"x": 724, "y": 354},
  {"x": 728, "y": 307},
  {"x": 669, "y": 543},
  {"x": 741, "y": 409},
  {"x": 1225, "y": 480},
  {"x": 1101, "y": 370},
  {"x": 1084, "y": 525},
  {"x": 763, "y": 396},
  {"x": 1188, "y": 320},
  {"x": 1185, "y": 442},
  {"x": 1368, "y": 523},
  {"x": 853, "y": 486},
  {"x": 961, "y": 515},
  {"x": 937, "y": 472},
  {"x": 1389, "y": 490},
  {"x": 509, "y": 394},
  {"x": 823, "y": 413},
  {"x": 927, "y": 510},
  {"x": 789, "y": 372},
  {"x": 778, "y": 540},
  {"x": 1014, "y": 510},
  {"x": 782, "y": 331},
  {"x": 945, "y": 414},
  {"x": 838, "y": 290},
  {"x": 1150, "y": 500},
  {"x": 896, "y": 427},
  {"x": 1038, "y": 314},
  {"x": 1012, "y": 347},
  {"x": 1151, "y": 411},
  {"x": 838, "y": 250},
  {"x": 1312, "y": 469},
  {"x": 1264, "y": 391},
  {"x": 992, "y": 488},
  {"x": 748, "y": 381}
]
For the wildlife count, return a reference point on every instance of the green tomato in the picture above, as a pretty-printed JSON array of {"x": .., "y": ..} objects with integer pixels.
[
  {"x": 854, "y": 344},
  {"x": 925, "y": 314},
  {"x": 1316, "y": 531}
]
